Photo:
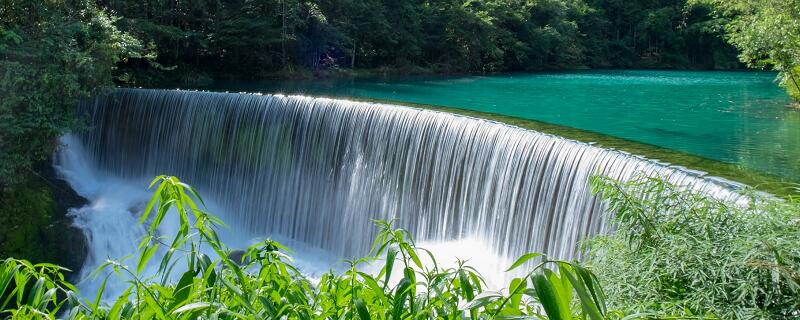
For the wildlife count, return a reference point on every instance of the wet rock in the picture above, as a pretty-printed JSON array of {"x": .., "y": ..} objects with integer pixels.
[
  {"x": 35, "y": 224},
  {"x": 237, "y": 256}
]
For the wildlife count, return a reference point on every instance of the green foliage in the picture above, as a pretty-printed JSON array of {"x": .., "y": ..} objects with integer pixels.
[
  {"x": 25, "y": 213},
  {"x": 767, "y": 34},
  {"x": 51, "y": 54},
  {"x": 680, "y": 253},
  {"x": 33, "y": 226},
  {"x": 262, "y": 283},
  {"x": 655, "y": 34},
  {"x": 244, "y": 40},
  {"x": 29, "y": 291}
]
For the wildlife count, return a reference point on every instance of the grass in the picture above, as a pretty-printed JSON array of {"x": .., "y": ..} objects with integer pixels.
[
  {"x": 682, "y": 254},
  {"x": 263, "y": 283}
]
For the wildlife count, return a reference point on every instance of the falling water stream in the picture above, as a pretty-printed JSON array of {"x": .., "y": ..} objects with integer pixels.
[{"x": 317, "y": 172}]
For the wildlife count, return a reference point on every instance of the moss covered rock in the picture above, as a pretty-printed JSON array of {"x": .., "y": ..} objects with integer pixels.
[{"x": 34, "y": 224}]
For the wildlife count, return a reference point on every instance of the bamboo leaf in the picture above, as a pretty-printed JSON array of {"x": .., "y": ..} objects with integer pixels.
[
  {"x": 547, "y": 297},
  {"x": 152, "y": 202},
  {"x": 524, "y": 258},
  {"x": 466, "y": 287},
  {"x": 35, "y": 295},
  {"x": 183, "y": 289},
  {"x": 196, "y": 306},
  {"x": 390, "y": 256},
  {"x": 144, "y": 257},
  {"x": 363, "y": 313},
  {"x": 587, "y": 301}
]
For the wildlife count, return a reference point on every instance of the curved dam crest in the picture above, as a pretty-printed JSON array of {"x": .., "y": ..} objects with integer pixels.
[{"x": 320, "y": 170}]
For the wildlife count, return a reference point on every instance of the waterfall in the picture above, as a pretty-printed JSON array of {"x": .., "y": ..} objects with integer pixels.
[{"x": 320, "y": 170}]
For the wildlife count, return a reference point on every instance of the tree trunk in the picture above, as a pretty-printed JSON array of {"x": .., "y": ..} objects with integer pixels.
[
  {"x": 283, "y": 32},
  {"x": 353, "y": 56}
]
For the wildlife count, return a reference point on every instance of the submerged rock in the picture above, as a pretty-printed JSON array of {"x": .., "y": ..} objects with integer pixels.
[{"x": 238, "y": 257}]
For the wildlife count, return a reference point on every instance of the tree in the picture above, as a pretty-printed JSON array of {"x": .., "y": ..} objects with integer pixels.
[
  {"x": 767, "y": 34},
  {"x": 52, "y": 53}
]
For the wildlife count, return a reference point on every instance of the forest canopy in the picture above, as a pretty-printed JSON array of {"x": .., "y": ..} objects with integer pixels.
[{"x": 210, "y": 39}]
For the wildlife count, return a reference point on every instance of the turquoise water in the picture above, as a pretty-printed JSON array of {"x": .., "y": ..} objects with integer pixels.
[{"x": 742, "y": 118}]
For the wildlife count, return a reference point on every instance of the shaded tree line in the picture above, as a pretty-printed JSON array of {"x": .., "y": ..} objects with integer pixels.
[
  {"x": 203, "y": 40},
  {"x": 767, "y": 34},
  {"x": 52, "y": 53}
]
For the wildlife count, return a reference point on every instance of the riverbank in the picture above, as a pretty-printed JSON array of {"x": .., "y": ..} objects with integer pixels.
[{"x": 157, "y": 80}]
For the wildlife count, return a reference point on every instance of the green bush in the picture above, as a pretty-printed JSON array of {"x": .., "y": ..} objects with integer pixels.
[
  {"x": 263, "y": 284},
  {"x": 680, "y": 253},
  {"x": 766, "y": 34},
  {"x": 52, "y": 53}
]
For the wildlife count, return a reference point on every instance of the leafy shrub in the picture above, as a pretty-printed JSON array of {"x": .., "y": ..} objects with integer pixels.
[
  {"x": 680, "y": 253},
  {"x": 52, "y": 53},
  {"x": 262, "y": 283}
]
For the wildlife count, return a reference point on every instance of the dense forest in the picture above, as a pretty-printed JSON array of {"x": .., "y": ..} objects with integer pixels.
[{"x": 200, "y": 41}]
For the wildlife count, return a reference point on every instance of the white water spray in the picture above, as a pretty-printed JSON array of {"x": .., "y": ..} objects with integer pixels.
[{"x": 318, "y": 171}]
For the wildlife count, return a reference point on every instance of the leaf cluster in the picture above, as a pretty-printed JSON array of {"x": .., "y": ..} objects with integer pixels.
[
  {"x": 52, "y": 53},
  {"x": 198, "y": 277},
  {"x": 678, "y": 252}
]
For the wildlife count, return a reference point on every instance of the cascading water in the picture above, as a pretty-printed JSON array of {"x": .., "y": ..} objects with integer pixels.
[{"x": 318, "y": 170}]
